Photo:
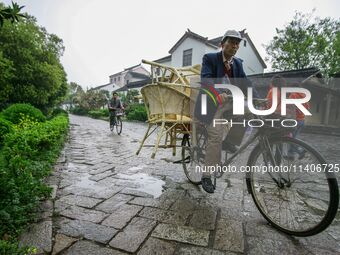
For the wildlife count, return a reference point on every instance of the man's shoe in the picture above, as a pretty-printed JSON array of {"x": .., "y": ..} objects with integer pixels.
[
  {"x": 207, "y": 184},
  {"x": 228, "y": 146}
]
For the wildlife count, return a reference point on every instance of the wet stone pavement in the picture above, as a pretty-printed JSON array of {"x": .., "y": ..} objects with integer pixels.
[{"x": 107, "y": 200}]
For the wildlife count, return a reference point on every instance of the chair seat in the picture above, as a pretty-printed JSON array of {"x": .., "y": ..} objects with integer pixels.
[{"x": 171, "y": 119}]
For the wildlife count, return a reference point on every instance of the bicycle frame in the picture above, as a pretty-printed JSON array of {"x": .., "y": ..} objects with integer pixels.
[{"x": 263, "y": 140}]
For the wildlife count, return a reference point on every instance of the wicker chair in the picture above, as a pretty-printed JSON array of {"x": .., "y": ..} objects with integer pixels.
[
  {"x": 168, "y": 111},
  {"x": 168, "y": 101}
]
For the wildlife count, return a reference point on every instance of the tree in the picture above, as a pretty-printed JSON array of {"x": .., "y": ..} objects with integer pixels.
[
  {"x": 74, "y": 93},
  {"x": 31, "y": 58},
  {"x": 306, "y": 42},
  {"x": 91, "y": 100},
  {"x": 106, "y": 93},
  {"x": 130, "y": 96},
  {"x": 10, "y": 13},
  {"x": 7, "y": 74}
]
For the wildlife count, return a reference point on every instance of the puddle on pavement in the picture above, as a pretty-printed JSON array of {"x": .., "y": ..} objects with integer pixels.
[
  {"x": 145, "y": 183},
  {"x": 135, "y": 169},
  {"x": 84, "y": 182}
]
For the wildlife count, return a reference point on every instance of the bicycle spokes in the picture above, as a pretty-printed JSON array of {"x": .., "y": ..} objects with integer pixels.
[{"x": 293, "y": 199}]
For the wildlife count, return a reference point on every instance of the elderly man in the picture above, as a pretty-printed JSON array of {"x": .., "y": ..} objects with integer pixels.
[{"x": 221, "y": 68}]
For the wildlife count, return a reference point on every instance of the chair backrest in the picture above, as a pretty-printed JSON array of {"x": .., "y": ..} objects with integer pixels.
[{"x": 165, "y": 101}]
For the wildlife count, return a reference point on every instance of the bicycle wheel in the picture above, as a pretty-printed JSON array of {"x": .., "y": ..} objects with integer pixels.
[
  {"x": 193, "y": 156},
  {"x": 111, "y": 124},
  {"x": 119, "y": 125},
  {"x": 295, "y": 197}
]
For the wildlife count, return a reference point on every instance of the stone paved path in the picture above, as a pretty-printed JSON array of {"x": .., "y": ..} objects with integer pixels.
[{"x": 107, "y": 200}]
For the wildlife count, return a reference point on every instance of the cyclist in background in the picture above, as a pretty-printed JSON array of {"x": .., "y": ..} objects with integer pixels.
[{"x": 114, "y": 105}]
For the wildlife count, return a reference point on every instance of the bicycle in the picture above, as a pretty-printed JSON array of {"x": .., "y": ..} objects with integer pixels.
[
  {"x": 116, "y": 121},
  {"x": 294, "y": 202}
]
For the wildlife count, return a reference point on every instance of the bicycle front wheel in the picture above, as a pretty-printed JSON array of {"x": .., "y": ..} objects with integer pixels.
[
  {"x": 193, "y": 155},
  {"x": 119, "y": 125},
  {"x": 292, "y": 186}
]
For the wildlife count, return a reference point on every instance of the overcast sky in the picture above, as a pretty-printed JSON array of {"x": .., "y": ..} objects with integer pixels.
[{"x": 102, "y": 37}]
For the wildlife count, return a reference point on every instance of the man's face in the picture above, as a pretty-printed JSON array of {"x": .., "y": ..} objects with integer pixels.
[
  {"x": 230, "y": 46},
  {"x": 114, "y": 96}
]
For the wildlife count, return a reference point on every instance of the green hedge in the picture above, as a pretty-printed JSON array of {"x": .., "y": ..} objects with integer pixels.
[
  {"x": 56, "y": 111},
  {"x": 136, "y": 112},
  {"x": 15, "y": 112},
  {"x": 78, "y": 111},
  {"x": 28, "y": 155},
  {"x": 99, "y": 113},
  {"x": 12, "y": 248}
]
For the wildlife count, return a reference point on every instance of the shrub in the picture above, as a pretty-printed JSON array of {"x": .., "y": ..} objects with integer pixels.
[
  {"x": 136, "y": 112},
  {"x": 78, "y": 111},
  {"x": 5, "y": 128},
  {"x": 27, "y": 156},
  {"x": 12, "y": 248},
  {"x": 57, "y": 111},
  {"x": 105, "y": 112},
  {"x": 98, "y": 114},
  {"x": 14, "y": 112}
]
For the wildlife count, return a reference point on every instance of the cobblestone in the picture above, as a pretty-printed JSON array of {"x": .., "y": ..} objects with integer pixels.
[
  {"x": 113, "y": 203},
  {"x": 80, "y": 213},
  {"x": 182, "y": 234},
  {"x": 229, "y": 236},
  {"x": 38, "y": 235},
  {"x": 89, "y": 230},
  {"x": 154, "y": 246},
  {"x": 82, "y": 201},
  {"x": 62, "y": 242},
  {"x": 120, "y": 217},
  {"x": 133, "y": 235},
  {"x": 86, "y": 248}
]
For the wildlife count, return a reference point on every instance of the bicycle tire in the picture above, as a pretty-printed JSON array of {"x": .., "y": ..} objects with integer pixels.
[
  {"x": 119, "y": 125},
  {"x": 111, "y": 124},
  {"x": 333, "y": 190},
  {"x": 193, "y": 156},
  {"x": 187, "y": 171}
]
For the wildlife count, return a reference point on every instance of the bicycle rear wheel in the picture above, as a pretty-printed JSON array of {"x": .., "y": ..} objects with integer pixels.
[
  {"x": 300, "y": 196},
  {"x": 119, "y": 125}
]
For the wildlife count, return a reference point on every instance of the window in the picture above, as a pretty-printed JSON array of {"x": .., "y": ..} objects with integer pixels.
[
  {"x": 118, "y": 78},
  {"x": 187, "y": 57},
  {"x": 244, "y": 43}
]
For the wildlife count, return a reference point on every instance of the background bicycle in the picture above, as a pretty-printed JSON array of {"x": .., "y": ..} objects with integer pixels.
[{"x": 116, "y": 121}]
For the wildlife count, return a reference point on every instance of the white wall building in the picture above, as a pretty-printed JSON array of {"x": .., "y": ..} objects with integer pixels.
[
  {"x": 191, "y": 47},
  {"x": 128, "y": 75}
]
